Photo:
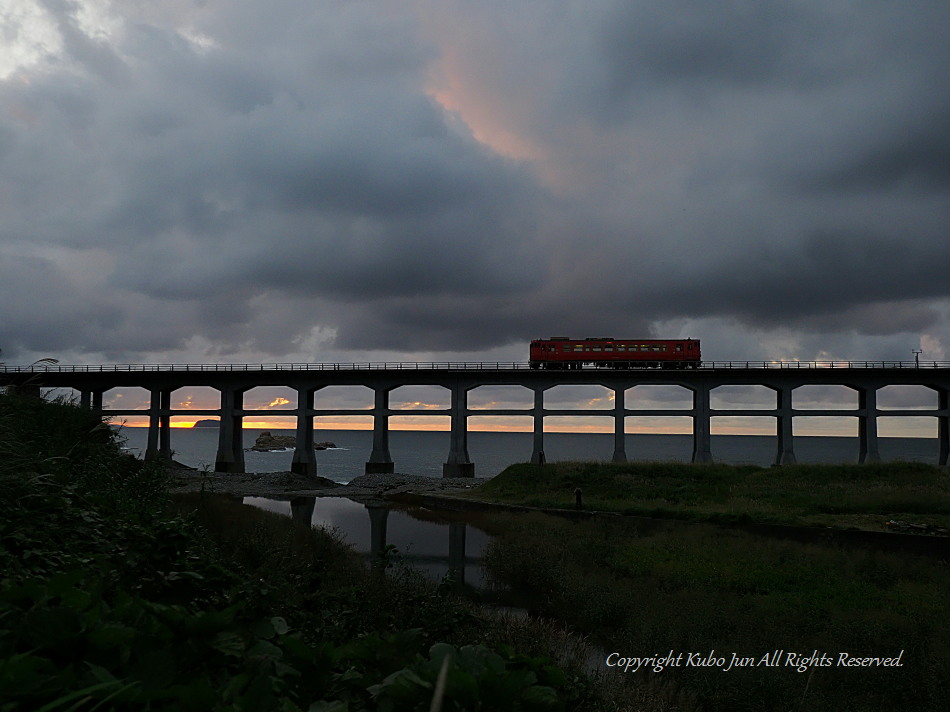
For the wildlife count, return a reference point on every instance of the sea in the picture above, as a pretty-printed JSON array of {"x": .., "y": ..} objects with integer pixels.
[{"x": 423, "y": 452}]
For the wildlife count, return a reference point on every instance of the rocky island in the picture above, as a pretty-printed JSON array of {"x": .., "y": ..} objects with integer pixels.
[{"x": 268, "y": 442}]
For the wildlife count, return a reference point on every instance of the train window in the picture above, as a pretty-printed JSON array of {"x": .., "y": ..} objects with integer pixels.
[
  {"x": 578, "y": 347},
  {"x": 608, "y": 348},
  {"x": 679, "y": 347},
  {"x": 595, "y": 348},
  {"x": 656, "y": 347}
]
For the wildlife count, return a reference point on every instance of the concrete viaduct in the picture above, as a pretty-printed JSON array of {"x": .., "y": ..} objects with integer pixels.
[{"x": 233, "y": 381}]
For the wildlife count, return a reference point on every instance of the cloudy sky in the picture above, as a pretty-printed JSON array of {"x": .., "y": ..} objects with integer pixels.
[{"x": 366, "y": 180}]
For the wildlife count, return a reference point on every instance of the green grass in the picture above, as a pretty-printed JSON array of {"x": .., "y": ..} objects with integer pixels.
[
  {"x": 697, "y": 587},
  {"x": 644, "y": 587},
  {"x": 843, "y": 496}
]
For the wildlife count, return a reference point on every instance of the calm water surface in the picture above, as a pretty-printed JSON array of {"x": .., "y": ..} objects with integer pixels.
[{"x": 424, "y": 539}]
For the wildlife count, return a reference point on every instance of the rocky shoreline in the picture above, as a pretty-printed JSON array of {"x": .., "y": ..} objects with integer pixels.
[{"x": 286, "y": 484}]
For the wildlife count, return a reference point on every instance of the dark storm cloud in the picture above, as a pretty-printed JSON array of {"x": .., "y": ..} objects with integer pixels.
[
  {"x": 911, "y": 155},
  {"x": 830, "y": 282},
  {"x": 740, "y": 42},
  {"x": 39, "y": 306},
  {"x": 213, "y": 176},
  {"x": 452, "y": 176}
]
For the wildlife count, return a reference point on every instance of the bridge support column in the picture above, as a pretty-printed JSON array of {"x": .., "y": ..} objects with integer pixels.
[
  {"x": 84, "y": 400},
  {"x": 304, "y": 461},
  {"x": 151, "y": 444},
  {"x": 537, "y": 451},
  {"x": 702, "y": 443},
  {"x": 785, "y": 453},
  {"x": 458, "y": 463},
  {"x": 230, "y": 457},
  {"x": 380, "y": 460},
  {"x": 158, "y": 446},
  {"x": 943, "y": 426},
  {"x": 867, "y": 426},
  {"x": 620, "y": 444},
  {"x": 165, "y": 426}
]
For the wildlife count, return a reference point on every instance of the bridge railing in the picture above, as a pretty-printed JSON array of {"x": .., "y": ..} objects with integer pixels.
[
  {"x": 376, "y": 366},
  {"x": 438, "y": 365}
]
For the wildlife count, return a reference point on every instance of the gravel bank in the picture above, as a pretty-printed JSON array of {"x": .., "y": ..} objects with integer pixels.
[{"x": 286, "y": 484}]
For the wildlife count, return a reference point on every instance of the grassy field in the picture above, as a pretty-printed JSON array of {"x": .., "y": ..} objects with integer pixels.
[
  {"x": 695, "y": 588},
  {"x": 841, "y": 496},
  {"x": 643, "y": 588}
]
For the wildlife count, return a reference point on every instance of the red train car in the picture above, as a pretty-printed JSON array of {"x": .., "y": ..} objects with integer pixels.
[{"x": 562, "y": 352}]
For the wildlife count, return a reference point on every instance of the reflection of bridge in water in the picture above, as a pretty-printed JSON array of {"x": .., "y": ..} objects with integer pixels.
[
  {"x": 233, "y": 381},
  {"x": 456, "y": 562}
]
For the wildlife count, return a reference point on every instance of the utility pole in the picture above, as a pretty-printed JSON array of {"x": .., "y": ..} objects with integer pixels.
[{"x": 917, "y": 353}]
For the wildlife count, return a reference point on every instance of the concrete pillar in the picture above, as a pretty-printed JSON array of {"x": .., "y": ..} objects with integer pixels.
[
  {"x": 620, "y": 440},
  {"x": 154, "y": 407},
  {"x": 158, "y": 445},
  {"x": 537, "y": 453},
  {"x": 84, "y": 400},
  {"x": 867, "y": 426},
  {"x": 380, "y": 459},
  {"x": 785, "y": 453},
  {"x": 304, "y": 461},
  {"x": 230, "y": 457},
  {"x": 702, "y": 443},
  {"x": 458, "y": 463},
  {"x": 943, "y": 426},
  {"x": 165, "y": 425},
  {"x": 97, "y": 401}
]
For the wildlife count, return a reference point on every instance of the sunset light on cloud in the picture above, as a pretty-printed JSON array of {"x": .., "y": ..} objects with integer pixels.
[{"x": 481, "y": 118}]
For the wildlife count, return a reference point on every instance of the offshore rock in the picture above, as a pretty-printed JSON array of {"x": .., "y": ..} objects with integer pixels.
[{"x": 267, "y": 442}]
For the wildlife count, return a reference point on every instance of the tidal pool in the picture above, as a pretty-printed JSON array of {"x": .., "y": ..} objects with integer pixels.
[{"x": 431, "y": 541}]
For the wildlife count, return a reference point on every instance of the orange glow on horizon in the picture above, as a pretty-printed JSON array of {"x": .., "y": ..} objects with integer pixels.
[
  {"x": 831, "y": 426},
  {"x": 813, "y": 431},
  {"x": 440, "y": 427}
]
